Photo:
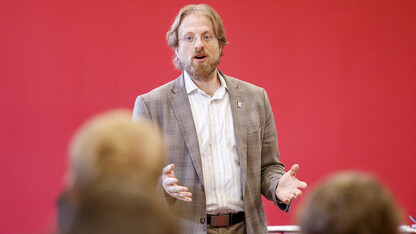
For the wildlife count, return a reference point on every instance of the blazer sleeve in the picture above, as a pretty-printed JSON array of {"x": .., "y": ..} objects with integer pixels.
[
  {"x": 272, "y": 169},
  {"x": 140, "y": 109}
]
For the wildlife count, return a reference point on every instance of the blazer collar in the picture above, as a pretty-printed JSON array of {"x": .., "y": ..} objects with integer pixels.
[
  {"x": 239, "y": 111},
  {"x": 180, "y": 104}
]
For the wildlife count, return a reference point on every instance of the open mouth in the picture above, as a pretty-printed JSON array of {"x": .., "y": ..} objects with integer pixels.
[{"x": 200, "y": 56}]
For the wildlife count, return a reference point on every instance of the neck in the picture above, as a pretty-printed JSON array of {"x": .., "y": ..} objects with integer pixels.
[{"x": 208, "y": 84}]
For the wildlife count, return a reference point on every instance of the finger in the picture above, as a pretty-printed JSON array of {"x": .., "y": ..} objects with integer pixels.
[
  {"x": 168, "y": 169},
  {"x": 286, "y": 201},
  {"x": 294, "y": 170},
  {"x": 186, "y": 199},
  {"x": 170, "y": 181},
  {"x": 293, "y": 197},
  {"x": 177, "y": 189},
  {"x": 182, "y": 195},
  {"x": 298, "y": 193},
  {"x": 302, "y": 185}
]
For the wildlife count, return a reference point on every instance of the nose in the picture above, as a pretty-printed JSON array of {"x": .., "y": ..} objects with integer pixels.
[{"x": 199, "y": 45}]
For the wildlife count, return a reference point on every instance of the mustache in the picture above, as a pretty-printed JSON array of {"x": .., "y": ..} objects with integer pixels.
[{"x": 200, "y": 53}]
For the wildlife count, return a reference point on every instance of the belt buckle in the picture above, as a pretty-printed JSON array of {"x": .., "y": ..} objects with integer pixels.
[{"x": 220, "y": 220}]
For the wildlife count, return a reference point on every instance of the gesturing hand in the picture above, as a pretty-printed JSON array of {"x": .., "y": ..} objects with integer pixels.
[
  {"x": 289, "y": 186},
  {"x": 169, "y": 183}
]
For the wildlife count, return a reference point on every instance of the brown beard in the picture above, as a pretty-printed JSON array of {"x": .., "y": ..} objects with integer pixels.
[
  {"x": 203, "y": 70},
  {"x": 200, "y": 71}
]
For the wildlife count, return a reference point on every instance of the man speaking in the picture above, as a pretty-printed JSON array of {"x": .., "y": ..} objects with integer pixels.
[{"x": 220, "y": 135}]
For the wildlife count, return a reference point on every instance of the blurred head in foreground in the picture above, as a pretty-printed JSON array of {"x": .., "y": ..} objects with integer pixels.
[
  {"x": 114, "y": 168},
  {"x": 350, "y": 203}
]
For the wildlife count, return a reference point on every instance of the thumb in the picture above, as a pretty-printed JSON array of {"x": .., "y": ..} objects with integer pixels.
[
  {"x": 168, "y": 169},
  {"x": 294, "y": 170}
]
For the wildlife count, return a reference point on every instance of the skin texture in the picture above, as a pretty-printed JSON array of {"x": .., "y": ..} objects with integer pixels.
[{"x": 202, "y": 72}]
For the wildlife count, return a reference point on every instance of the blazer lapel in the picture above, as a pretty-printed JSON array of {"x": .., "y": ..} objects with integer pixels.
[
  {"x": 180, "y": 104},
  {"x": 240, "y": 125}
]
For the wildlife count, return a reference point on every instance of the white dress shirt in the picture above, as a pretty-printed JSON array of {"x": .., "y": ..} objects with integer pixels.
[{"x": 220, "y": 163}]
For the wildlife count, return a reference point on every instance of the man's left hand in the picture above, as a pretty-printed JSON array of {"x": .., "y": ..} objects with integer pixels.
[{"x": 289, "y": 186}]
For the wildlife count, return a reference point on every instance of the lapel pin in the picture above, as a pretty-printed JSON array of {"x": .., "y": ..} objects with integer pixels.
[{"x": 238, "y": 104}]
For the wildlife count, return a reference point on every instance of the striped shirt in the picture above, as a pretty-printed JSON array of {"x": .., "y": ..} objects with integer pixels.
[{"x": 220, "y": 163}]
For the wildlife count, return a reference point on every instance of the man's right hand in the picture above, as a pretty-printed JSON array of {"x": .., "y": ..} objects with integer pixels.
[{"x": 169, "y": 183}]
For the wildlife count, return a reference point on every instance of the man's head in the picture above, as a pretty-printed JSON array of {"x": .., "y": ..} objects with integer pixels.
[
  {"x": 114, "y": 168},
  {"x": 350, "y": 203},
  {"x": 197, "y": 36},
  {"x": 113, "y": 151}
]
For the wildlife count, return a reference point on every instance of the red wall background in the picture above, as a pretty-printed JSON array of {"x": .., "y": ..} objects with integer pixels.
[{"x": 341, "y": 77}]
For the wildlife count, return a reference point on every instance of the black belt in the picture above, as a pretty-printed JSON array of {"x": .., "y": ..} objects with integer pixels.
[{"x": 225, "y": 220}]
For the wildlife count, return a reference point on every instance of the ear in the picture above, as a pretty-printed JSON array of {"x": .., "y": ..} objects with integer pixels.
[{"x": 176, "y": 51}]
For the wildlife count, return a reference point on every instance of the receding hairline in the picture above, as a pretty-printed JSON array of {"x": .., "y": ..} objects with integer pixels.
[
  {"x": 201, "y": 9},
  {"x": 197, "y": 14}
]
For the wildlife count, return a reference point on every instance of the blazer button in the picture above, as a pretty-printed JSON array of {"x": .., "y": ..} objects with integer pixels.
[{"x": 202, "y": 220}]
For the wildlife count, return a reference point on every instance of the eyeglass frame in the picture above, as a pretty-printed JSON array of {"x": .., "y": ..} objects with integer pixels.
[{"x": 204, "y": 38}]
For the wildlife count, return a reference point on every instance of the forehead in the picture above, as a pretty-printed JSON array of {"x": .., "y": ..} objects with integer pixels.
[{"x": 195, "y": 23}]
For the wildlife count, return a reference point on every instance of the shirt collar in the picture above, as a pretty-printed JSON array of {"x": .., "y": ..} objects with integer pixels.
[{"x": 191, "y": 86}]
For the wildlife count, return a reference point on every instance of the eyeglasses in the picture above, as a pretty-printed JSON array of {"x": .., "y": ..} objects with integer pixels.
[{"x": 206, "y": 38}]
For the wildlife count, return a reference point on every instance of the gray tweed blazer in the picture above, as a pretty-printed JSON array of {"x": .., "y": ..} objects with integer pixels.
[{"x": 256, "y": 138}]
